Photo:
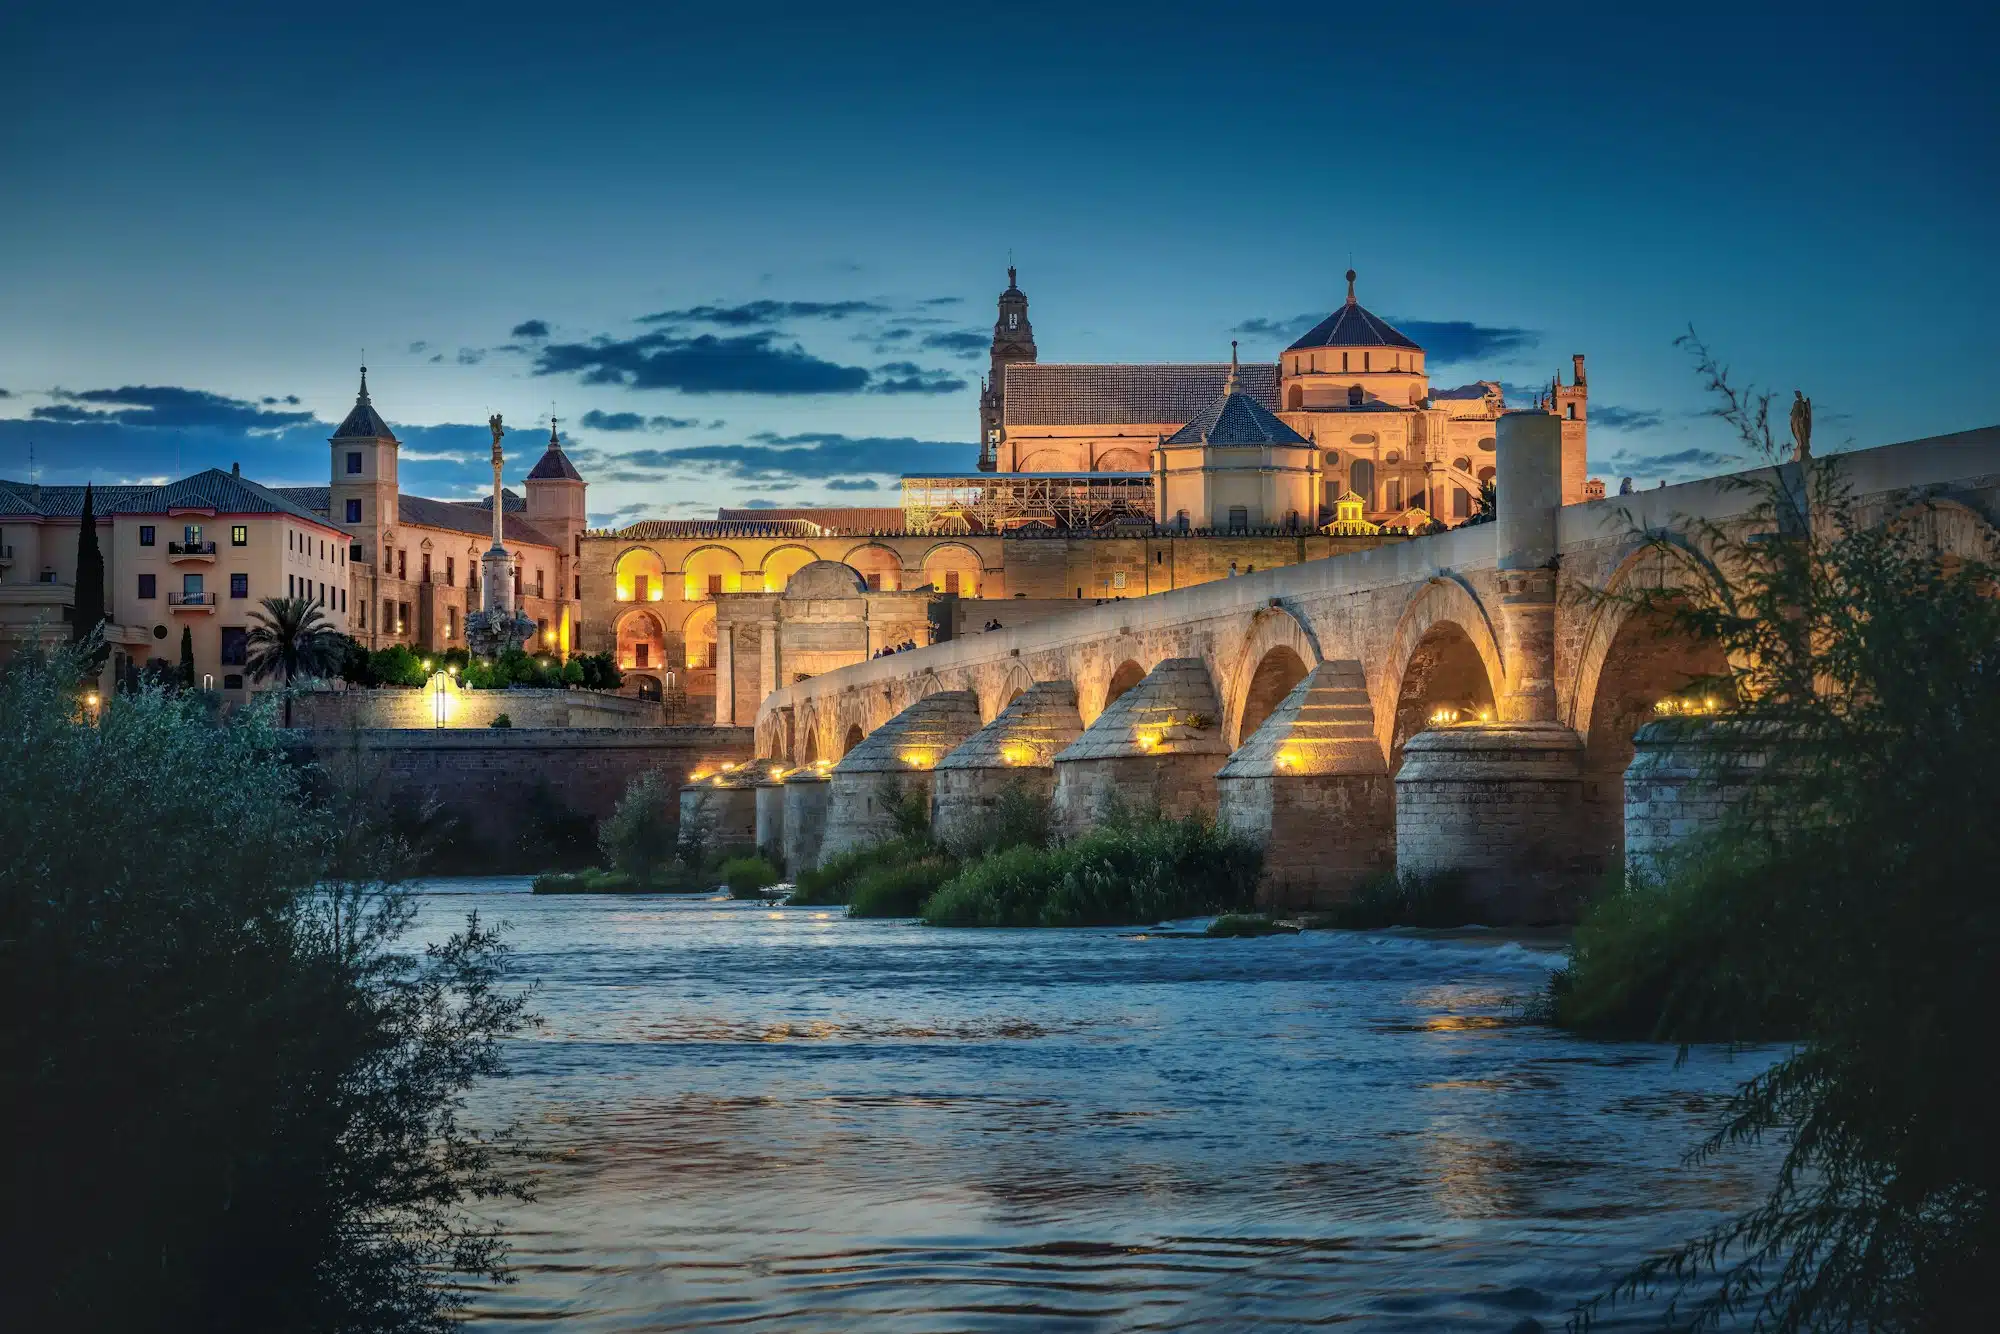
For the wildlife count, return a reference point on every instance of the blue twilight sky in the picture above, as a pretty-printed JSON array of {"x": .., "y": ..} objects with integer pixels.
[{"x": 750, "y": 252}]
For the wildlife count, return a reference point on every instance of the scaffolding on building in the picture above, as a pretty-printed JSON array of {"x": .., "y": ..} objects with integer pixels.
[{"x": 985, "y": 502}]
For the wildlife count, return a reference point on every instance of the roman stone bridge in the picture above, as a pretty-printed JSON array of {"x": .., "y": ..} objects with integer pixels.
[{"x": 1455, "y": 702}]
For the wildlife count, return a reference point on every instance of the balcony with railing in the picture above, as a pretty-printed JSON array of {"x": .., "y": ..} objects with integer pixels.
[
  {"x": 184, "y": 551},
  {"x": 6, "y": 555},
  {"x": 191, "y": 602}
]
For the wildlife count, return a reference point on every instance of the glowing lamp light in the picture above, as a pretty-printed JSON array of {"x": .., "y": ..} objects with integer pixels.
[
  {"x": 1017, "y": 753},
  {"x": 1148, "y": 740},
  {"x": 1286, "y": 759},
  {"x": 697, "y": 775},
  {"x": 1486, "y": 715},
  {"x": 919, "y": 759},
  {"x": 1444, "y": 717}
]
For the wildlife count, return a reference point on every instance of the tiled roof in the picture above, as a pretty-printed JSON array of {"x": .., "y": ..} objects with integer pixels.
[
  {"x": 554, "y": 465},
  {"x": 510, "y": 500},
  {"x": 224, "y": 492},
  {"x": 1236, "y": 419},
  {"x": 1353, "y": 326},
  {"x": 363, "y": 422},
  {"x": 455, "y": 517},
  {"x": 61, "y": 502},
  {"x": 853, "y": 518},
  {"x": 318, "y": 499},
  {"x": 1046, "y": 394}
]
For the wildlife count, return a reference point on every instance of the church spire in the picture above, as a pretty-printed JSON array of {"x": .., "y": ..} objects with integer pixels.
[
  {"x": 362, "y": 397},
  {"x": 1350, "y": 287}
]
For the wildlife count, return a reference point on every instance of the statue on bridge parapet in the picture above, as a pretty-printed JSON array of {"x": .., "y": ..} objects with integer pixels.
[{"x": 1802, "y": 424}]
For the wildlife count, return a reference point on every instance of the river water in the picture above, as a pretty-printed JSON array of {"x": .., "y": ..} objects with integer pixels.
[{"x": 747, "y": 1117}]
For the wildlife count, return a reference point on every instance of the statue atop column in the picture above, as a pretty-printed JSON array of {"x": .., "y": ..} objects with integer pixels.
[
  {"x": 1802, "y": 424},
  {"x": 497, "y": 626}
]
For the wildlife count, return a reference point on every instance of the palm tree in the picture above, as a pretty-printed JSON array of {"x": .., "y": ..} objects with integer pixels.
[{"x": 293, "y": 637}]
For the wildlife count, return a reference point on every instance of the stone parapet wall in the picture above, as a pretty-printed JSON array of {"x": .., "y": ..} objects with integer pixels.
[
  {"x": 410, "y": 708},
  {"x": 503, "y": 794}
]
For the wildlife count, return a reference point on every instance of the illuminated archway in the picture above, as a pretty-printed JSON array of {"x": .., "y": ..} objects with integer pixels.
[
  {"x": 880, "y": 566},
  {"x": 641, "y": 575},
  {"x": 698, "y": 637},
  {"x": 953, "y": 567},
  {"x": 1444, "y": 681},
  {"x": 710, "y": 570},
  {"x": 1121, "y": 459},
  {"x": 780, "y": 565},
  {"x": 642, "y": 641},
  {"x": 852, "y": 739}
]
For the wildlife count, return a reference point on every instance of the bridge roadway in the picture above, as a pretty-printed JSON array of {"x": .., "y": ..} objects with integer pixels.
[{"x": 1287, "y": 699}]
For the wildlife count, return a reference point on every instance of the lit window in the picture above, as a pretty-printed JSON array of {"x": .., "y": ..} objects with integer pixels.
[{"x": 239, "y": 535}]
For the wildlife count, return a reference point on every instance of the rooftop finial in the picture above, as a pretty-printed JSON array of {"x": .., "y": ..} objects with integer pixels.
[
  {"x": 363, "y": 396},
  {"x": 1230, "y": 388},
  {"x": 1350, "y": 287},
  {"x": 553, "y": 442}
]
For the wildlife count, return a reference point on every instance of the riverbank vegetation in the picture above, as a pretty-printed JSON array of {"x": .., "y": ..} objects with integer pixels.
[
  {"x": 645, "y": 848},
  {"x": 1131, "y": 868},
  {"x": 235, "y": 1096},
  {"x": 747, "y": 877},
  {"x": 1848, "y": 904}
]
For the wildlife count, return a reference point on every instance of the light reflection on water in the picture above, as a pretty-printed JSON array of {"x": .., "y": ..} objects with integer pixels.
[{"x": 746, "y": 1118}]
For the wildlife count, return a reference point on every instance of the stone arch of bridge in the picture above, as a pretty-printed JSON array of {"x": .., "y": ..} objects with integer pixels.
[
  {"x": 1277, "y": 654},
  {"x": 1119, "y": 672},
  {"x": 810, "y": 746},
  {"x": 1955, "y": 532},
  {"x": 1444, "y": 652},
  {"x": 1645, "y": 564},
  {"x": 1013, "y": 682},
  {"x": 851, "y": 738}
]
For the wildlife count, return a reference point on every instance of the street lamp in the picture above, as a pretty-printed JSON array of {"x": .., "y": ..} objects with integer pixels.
[{"x": 437, "y": 697}]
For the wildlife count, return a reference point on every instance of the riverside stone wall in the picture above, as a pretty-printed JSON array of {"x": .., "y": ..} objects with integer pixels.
[
  {"x": 515, "y": 799},
  {"x": 406, "y": 707}
]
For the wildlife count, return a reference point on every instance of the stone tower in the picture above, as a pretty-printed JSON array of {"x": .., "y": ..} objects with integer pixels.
[
  {"x": 1013, "y": 340},
  {"x": 1571, "y": 402},
  {"x": 556, "y": 506},
  {"x": 362, "y": 496}
]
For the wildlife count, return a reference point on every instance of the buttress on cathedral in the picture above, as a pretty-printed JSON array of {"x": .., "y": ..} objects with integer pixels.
[{"x": 1347, "y": 414}]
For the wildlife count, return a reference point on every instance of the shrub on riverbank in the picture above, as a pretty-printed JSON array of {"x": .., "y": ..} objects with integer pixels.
[
  {"x": 641, "y": 836},
  {"x": 1387, "y": 899},
  {"x": 235, "y": 1101},
  {"x": 674, "y": 879},
  {"x": 748, "y": 877},
  {"x": 832, "y": 882},
  {"x": 1235, "y": 924},
  {"x": 1852, "y": 900},
  {"x": 900, "y": 888},
  {"x": 1130, "y": 870}
]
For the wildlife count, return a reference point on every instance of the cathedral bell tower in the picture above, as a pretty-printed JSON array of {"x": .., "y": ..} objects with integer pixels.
[{"x": 1013, "y": 340}]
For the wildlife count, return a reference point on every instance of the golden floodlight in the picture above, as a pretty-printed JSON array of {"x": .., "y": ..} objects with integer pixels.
[
  {"x": 1443, "y": 717},
  {"x": 1017, "y": 753},
  {"x": 918, "y": 759}
]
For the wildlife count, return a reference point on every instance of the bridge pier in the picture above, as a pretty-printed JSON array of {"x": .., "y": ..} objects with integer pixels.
[
  {"x": 1684, "y": 782},
  {"x": 805, "y": 803},
  {"x": 1500, "y": 804},
  {"x": 898, "y": 759},
  {"x": 1311, "y": 787},
  {"x": 1155, "y": 747},
  {"x": 723, "y": 805},
  {"x": 771, "y": 817},
  {"x": 1016, "y": 751}
]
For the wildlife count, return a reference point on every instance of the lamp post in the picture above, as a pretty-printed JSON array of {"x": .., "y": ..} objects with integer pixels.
[{"x": 437, "y": 697}]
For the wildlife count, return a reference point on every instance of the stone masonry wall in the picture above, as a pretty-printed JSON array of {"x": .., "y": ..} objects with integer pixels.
[
  {"x": 402, "y": 707},
  {"x": 506, "y": 797}
]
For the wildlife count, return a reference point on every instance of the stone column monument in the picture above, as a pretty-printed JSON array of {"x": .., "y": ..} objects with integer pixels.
[{"x": 497, "y": 626}]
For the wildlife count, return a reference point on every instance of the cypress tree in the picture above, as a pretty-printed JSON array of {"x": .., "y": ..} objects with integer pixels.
[
  {"x": 187, "y": 657},
  {"x": 88, "y": 613}
]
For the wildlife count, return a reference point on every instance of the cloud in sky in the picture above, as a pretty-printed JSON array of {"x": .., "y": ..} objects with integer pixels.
[
  {"x": 752, "y": 314},
  {"x": 753, "y": 363},
  {"x": 167, "y": 406},
  {"x": 1445, "y": 342},
  {"x": 530, "y": 329},
  {"x": 811, "y": 455},
  {"x": 1625, "y": 419},
  {"x": 594, "y": 420},
  {"x": 853, "y": 484},
  {"x": 959, "y": 342},
  {"x": 906, "y": 377}
]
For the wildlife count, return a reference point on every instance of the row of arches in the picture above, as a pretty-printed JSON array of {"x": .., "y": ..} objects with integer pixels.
[
  {"x": 1443, "y": 666},
  {"x": 641, "y": 574}
]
